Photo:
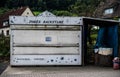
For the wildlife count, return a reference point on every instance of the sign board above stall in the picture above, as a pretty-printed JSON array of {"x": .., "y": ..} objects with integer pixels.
[{"x": 46, "y": 20}]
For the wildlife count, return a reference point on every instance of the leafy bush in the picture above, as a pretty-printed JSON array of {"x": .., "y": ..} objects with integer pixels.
[
  {"x": 3, "y": 10},
  {"x": 63, "y": 13},
  {"x": 4, "y": 46},
  {"x": 36, "y": 13}
]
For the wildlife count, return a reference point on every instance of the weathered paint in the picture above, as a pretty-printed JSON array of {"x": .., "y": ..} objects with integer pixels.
[
  {"x": 46, "y": 20},
  {"x": 45, "y": 60},
  {"x": 55, "y": 42}
]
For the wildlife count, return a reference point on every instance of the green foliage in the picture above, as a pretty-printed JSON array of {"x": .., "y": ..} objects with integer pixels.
[
  {"x": 36, "y": 13},
  {"x": 40, "y": 5},
  {"x": 69, "y": 7},
  {"x": 4, "y": 46},
  {"x": 84, "y": 7},
  {"x": 63, "y": 13},
  {"x": 3, "y": 10}
]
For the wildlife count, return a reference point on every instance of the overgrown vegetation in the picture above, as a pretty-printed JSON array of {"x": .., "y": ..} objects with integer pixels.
[
  {"x": 4, "y": 46},
  {"x": 63, "y": 13},
  {"x": 58, "y": 7},
  {"x": 36, "y": 13},
  {"x": 3, "y": 10}
]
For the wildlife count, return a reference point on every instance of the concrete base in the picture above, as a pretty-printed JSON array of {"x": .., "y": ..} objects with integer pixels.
[{"x": 86, "y": 71}]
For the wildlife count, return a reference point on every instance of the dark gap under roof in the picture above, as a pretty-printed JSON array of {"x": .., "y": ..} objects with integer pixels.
[{"x": 99, "y": 21}]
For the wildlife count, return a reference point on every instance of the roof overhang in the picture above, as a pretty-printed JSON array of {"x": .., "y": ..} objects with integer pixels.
[{"x": 99, "y": 21}]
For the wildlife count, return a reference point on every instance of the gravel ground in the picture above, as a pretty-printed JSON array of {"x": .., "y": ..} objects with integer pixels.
[{"x": 86, "y": 71}]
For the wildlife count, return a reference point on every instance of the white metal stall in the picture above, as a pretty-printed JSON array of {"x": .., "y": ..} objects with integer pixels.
[{"x": 45, "y": 40}]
